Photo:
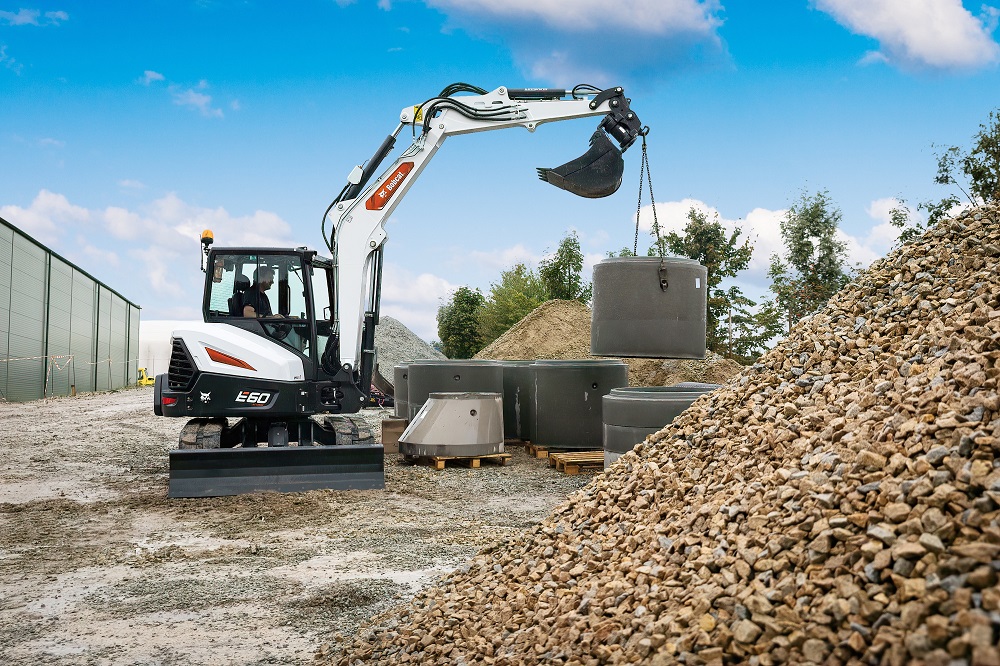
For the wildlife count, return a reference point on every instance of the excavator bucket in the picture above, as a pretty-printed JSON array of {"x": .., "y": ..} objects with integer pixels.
[{"x": 595, "y": 174}]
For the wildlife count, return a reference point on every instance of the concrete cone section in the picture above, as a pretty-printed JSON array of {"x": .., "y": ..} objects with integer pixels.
[
  {"x": 450, "y": 376},
  {"x": 568, "y": 401},
  {"x": 632, "y": 413},
  {"x": 455, "y": 424},
  {"x": 649, "y": 307}
]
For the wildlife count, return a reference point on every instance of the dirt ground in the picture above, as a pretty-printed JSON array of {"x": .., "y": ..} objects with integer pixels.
[{"x": 98, "y": 566}]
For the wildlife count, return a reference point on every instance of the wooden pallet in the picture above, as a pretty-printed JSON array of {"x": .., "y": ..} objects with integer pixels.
[
  {"x": 439, "y": 462},
  {"x": 571, "y": 462},
  {"x": 536, "y": 451}
]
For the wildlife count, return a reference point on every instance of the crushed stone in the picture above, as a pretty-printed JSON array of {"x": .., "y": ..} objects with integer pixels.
[
  {"x": 836, "y": 503},
  {"x": 395, "y": 344}
]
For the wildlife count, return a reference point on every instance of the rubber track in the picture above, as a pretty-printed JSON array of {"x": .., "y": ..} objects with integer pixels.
[
  {"x": 202, "y": 433},
  {"x": 350, "y": 430}
]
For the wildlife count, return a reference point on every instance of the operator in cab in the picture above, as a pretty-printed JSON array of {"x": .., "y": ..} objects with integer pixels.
[{"x": 255, "y": 300}]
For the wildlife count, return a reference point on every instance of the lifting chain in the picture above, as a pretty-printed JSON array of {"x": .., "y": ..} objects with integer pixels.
[{"x": 645, "y": 174}]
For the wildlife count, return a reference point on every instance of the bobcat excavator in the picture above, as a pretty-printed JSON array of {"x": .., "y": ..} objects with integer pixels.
[{"x": 259, "y": 372}]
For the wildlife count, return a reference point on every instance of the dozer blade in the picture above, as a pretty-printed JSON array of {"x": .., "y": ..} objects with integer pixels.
[
  {"x": 595, "y": 174},
  {"x": 236, "y": 471}
]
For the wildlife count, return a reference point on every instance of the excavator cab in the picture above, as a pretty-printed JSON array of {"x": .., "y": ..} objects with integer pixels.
[{"x": 282, "y": 307}]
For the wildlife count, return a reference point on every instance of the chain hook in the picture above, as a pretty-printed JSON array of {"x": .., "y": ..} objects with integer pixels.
[{"x": 645, "y": 174}]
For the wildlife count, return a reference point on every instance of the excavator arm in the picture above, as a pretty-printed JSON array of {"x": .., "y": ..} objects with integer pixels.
[{"x": 357, "y": 217}]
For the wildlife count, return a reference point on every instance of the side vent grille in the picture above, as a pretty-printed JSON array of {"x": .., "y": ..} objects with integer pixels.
[{"x": 181, "y": 374}]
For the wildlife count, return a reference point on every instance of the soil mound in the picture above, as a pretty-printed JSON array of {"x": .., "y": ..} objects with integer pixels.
[
  {"x": 561, "y": 330},
  {"x": 838, "y": 502},
  {"x": 554, "y": 330},
  {"x": 395, "y": 344}
]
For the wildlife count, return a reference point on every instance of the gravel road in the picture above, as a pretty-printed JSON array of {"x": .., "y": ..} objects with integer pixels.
[{"x": 98, "y": 566}]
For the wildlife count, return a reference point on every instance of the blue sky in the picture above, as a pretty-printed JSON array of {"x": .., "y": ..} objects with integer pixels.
[{"x": 126, "y": 128}]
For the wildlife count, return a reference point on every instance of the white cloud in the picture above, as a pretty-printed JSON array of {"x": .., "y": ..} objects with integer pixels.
[
  {"x": 48, "y": 216},
  {"x": 501, "y": 260},
  {"x": 646, "y": 16},
  {"x": 235, "y": 105},
  {"x": 176, "y": 223},
  {"x": 939, "y": 34},
  {"x": 132, "y": 184},
  {"x": 191, "y": 97},
  {"x": 589, "y": 259},
  {"x": 161, "y": 240},
  {"x": 55, "y": 18},
  {"x": 149, "y": 76},
  {"x": 22, "y": 17},
  {"x": 10, "y": 62},
  {"x": 554, "y": 40},
  {"x": 122, "y": 223},
  {"x": 160, "y": 271},
  {"x": 761, "y": 226},
  {"x": 565, "y": 66},
  {"x": 883, "y": 234},
  {"x": 414, "y": 299},
  {"x": 30, "y": 17},
  {"x": 97, "y": 256},
  {"x": 49, "y": 142}
]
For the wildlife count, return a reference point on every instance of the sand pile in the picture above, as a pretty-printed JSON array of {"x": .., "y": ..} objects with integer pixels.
[
  {"x": 561, "y": 330},
  {"x": 839, "y": 502},
  {"x": 394, "y": 344}
]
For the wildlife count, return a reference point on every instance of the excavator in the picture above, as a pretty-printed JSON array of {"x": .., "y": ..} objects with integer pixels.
[{"x": 269, "y": 387}]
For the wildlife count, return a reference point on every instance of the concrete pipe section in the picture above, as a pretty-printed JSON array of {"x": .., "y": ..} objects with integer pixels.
[
  {"x": 568, "y": 401},
  {"x": 455, "y": 424},
  {"x": 458, "y": 376},
  {"x": 649, "y": 307},
  {"x": 399, "y": 386},
  {"x": 634, "y": 412},
  {"x": 518, "y": 399}
]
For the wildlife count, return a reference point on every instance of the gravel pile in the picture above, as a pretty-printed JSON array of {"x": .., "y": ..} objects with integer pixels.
[
  {"x": 394, "y": 344},
  {"x": 561, "y": 330},
  {"x": 838, "y": 502}
]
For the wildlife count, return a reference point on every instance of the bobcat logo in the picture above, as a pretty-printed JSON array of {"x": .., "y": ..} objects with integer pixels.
[{"x": 206, "y": 397}]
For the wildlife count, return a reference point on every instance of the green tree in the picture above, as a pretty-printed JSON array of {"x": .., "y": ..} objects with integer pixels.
[
  {"x": 562, "y": 273},
  {"x": 458, "y": 324},
  {"x": 980, "y": 166},
  {"x": 910, "y": 228},
  {"x": 724, "y": 255},
  {"x": 982, "y": 163},
  {"x": 751, "y": 330},
  {"x": 814, "y": 265},
  {"x": 518, "y": 292}
]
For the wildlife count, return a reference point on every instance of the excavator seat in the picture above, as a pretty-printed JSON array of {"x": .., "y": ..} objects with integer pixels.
[{"x": 240, "y": 286}]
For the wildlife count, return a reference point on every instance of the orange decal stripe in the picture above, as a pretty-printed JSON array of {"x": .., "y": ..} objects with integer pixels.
[{"x": 219, "y": 357}]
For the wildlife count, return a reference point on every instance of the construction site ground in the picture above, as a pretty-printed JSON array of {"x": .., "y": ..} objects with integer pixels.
[{"x": 98, "y": 566}]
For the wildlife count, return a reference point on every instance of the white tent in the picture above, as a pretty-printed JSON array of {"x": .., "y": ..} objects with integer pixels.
[{"x": 154, "y": 344}]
